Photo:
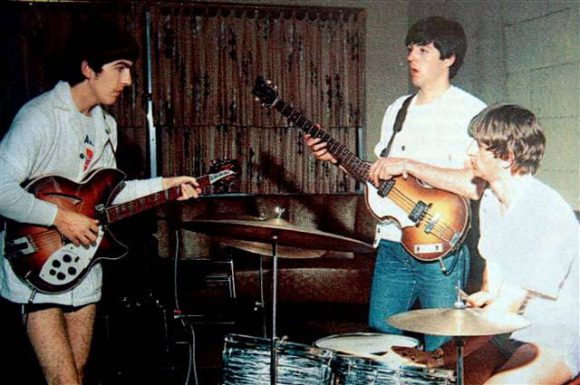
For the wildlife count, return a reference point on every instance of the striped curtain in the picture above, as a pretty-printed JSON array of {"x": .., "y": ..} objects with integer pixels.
[{"x": 206, "y": 62}]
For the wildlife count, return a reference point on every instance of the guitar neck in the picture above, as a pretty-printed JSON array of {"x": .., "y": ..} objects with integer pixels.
[
  {"x": 124, "y": 210},
  {"x": 356, "y": 167}
]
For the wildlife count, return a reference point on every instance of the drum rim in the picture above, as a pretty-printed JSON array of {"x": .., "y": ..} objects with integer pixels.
[{"x": 363, "y": 334}]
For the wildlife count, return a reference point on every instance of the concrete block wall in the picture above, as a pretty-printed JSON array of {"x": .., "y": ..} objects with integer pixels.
[
  {"x": 526, "y": 52},
  {"x": 543, "y": 66}
]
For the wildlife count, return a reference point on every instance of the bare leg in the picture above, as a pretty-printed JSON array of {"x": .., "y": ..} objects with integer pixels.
[
  {"x": 531, "y": 364},
  {"x": 62, "y": 342},
  {"x": 80, "y": 326}
]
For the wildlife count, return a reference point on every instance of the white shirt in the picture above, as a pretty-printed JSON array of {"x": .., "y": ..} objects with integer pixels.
[
  {"x": 434, "y": 133},
  {"x": 47, "y": 137},
  {"x": 535, "y": 244}
]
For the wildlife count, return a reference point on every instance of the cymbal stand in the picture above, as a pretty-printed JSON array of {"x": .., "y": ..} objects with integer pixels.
[
  {"x": 459, "y": 344},
  {"x": 273, "y": 342},
  {"x": 261, "y": 305}
]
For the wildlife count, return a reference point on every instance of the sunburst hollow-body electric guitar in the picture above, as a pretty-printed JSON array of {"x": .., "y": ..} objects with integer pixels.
[
  {"x": 49, "y": 263},
  {"x": 434, "y": 222}
]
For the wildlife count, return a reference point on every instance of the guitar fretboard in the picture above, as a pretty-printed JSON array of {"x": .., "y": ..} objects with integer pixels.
[
  {"x": 358, "y": 168},
  {"x": 124, "y": 210}
]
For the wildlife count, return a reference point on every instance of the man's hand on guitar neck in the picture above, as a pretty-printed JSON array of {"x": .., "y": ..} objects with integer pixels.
[
  {"x": 318, "y": 148},
  {"x": 189, "y": 186},
  {"x": 77, "y": 228}
]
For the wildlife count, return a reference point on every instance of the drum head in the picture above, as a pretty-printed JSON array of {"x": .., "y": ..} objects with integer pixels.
[{"x": 365, "y": 343}]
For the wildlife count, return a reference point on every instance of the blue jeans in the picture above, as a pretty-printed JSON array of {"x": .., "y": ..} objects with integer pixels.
[{"x": 399, "y": 280}]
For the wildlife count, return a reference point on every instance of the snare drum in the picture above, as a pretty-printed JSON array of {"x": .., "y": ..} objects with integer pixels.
[
  {"x": 246, "y": 361},
  {"x": 365, "y": 343}
]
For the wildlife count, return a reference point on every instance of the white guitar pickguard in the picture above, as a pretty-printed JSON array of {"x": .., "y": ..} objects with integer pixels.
[
  {"x": 65, "y": 264},
  {"x": 383, "y": 207}
]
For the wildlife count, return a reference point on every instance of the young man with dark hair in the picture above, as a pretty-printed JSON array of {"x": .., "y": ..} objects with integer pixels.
[
  {"x": 66, "y": 132},
  {"x": 434, "y": 132},
  {"x": 529, "y": 240}
]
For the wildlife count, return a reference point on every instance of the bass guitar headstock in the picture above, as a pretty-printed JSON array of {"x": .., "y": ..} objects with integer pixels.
[{"x": 265, "y": 92}]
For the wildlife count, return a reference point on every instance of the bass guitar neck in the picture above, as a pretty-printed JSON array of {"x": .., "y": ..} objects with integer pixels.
[{"x": 434, "y": 222}]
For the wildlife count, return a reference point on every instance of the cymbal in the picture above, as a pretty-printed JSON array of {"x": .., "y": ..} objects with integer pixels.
[
  {"x": 266, "y": 249},
  {"x": 458, "y": 322},
  {"x": 280, "y": 230}
]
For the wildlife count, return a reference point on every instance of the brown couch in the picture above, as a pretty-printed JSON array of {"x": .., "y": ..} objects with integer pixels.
[
  {"x": 327, "y": 292},
  {"x": 317, "y": 296},
  {"x": 334, "y": 276}
]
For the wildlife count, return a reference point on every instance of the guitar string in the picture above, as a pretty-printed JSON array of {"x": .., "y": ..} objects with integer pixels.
[
  {"x": 440, "y": 229},
  {"x": 127, "y": 209},
  {"x": 39, "y": 240},
  {"x": 407, "y": 204},
  {"x": 340, "y": 150},
  {"x": 440, "y": 225},
  {"x": 116, "y": 212}
]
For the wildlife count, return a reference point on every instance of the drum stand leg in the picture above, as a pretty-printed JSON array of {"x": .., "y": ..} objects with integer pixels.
[
  {"x": 459, "y": 343},
  {"x": 273, "y": 342},
  {"x": 262, "y": 304}
]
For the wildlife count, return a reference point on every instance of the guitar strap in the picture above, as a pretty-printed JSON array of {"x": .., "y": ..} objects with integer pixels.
[{"x": 398, "y": 126}]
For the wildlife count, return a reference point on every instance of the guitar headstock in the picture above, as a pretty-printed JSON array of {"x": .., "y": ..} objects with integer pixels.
[
  {"x": 222, "y": 173},
  {"x": 265, "y": 93}
]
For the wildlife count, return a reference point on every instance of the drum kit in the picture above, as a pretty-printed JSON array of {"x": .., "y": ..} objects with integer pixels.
[{"x": 351, "y": 359}]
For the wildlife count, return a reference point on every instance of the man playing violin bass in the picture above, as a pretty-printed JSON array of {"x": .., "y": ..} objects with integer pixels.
[
  {"x": 530, "y": 242},
  {"x": 66, "y": 132},
  {"x": 434, "y": 133}
]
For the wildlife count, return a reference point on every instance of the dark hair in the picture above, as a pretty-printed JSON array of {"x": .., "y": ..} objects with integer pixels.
[
  {"x": 508, "y": 127},
  {"x": 446, "y": 35},
  {"x": 98, "y": 42}
]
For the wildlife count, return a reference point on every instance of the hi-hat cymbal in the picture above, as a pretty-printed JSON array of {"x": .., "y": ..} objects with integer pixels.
[
  {"x": 266, "y": 249},
  {"x": 278, "y": 230},
  {"x": 458, "y": 322}
]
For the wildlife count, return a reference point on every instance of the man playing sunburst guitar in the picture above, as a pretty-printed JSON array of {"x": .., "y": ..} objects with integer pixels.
[
  {"x": 433, "y": 132},
  {"x": 65, "y": 132}
]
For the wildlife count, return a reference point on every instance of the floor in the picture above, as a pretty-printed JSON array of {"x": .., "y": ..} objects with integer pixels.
[
  {"x": 141, "y": 340},
  {"x": 150, "y": 346}
]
